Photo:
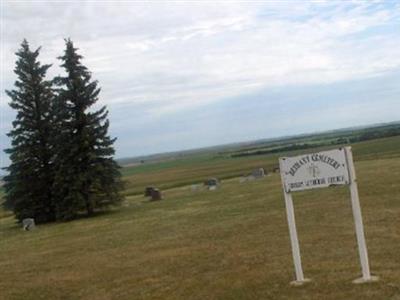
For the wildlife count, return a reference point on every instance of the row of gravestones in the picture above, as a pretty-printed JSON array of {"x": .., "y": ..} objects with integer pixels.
[
  {"x": 150, "y": 191},
  {"x": 155, "y": 194},
  {"x": 213, "y": 183}
]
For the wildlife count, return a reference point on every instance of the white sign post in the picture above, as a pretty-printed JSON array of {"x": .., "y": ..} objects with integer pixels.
[{"x": 318, "y": 170}]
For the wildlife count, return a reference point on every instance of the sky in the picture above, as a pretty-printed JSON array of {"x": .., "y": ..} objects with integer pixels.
[{"x": 186, "y": 74}]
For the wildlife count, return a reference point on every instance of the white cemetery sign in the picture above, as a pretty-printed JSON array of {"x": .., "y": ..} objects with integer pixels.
[
  {"x": 318, "y": 170},
  {"x": 315, "y": 170}
]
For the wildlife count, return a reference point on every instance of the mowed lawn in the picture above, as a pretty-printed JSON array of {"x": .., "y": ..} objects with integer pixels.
[{"x": 231, "y": 243}]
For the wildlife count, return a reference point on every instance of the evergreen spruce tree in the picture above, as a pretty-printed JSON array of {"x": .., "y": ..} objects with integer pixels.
[
  {"x": 30, "y": 177},
  {"x": 87, "y": 177}
]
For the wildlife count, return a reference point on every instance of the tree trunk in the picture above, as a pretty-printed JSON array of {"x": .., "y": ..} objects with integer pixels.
[
  {"x": 89, "y": 205},
  {"x": 89, "y": 208}
]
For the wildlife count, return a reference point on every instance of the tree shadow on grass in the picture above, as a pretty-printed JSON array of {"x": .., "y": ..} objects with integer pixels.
[{"x": 97, "y": 214}]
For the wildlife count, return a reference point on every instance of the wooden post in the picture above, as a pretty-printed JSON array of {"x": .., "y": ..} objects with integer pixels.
[
  {"x": 355, "y": 204},
  {"x": 293, "y": 234}
]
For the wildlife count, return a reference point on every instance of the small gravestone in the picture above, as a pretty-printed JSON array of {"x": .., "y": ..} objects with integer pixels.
[
  {"x": 28, "y": 224},
  {"x": 211, "y": 183},
  {"x": 156, "y": 195},
  {"x": 258, "y": 173},
  {"x": 148, "y": 190},
  {"x": 195, "y": 187},
  {"x": 276, "y": 170},
  {"x": 250, "y": 178}
]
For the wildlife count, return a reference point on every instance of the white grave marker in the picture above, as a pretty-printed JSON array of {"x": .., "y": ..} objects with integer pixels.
[
  {"x": 28, "y": 224},
  {"x": 318, "y": 170}
]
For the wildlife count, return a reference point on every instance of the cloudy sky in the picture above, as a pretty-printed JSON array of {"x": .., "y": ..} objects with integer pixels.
[{"x": 186, "y": 74}]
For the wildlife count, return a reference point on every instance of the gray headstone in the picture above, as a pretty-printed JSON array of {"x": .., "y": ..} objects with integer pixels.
[
  {"x": 148, "y": 190},
  {"x": 211, "y": 182},
  {"x": 28, "y": 224},
  {"x": 156, "y": 195},
  {"x": 250, "y": 178},
  {"x": 195, "y": 187},
  {"x": 258, "y": 173}
]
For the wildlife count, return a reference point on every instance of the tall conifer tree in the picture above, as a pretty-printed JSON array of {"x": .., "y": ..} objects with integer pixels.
[
  {"x": 87, "y": 177},
  {"x": 30, "y": 176}
]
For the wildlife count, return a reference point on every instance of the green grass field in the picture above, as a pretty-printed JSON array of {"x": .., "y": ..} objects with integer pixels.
[
  {"x": 231, "y": 243},
  {"x": 196, "y": 169}
]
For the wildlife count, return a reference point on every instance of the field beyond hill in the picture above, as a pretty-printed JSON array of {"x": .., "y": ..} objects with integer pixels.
[{"x": 231, "y": 243}]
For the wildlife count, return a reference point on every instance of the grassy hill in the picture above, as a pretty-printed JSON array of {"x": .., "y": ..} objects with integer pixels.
[
  {"x": 231, "y": 243},
  {"x": 196, "y": 169}
]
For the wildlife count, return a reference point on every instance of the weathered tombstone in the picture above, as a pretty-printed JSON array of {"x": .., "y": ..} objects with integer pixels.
[
  {"x": 148, "y": 190},
  {"x": 195, "y": 187},
  {"x": 28, "y": 224},
  {"x": 276, "y": 170},
  {"x": 258, "y": 173},
  {"x": 250, "y": 178},
  {"x": 156, "y": 195},
  {"x": 211, "y": 183}
]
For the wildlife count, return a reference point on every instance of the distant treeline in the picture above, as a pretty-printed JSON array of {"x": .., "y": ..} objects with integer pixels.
[
  {"x": 278, "y": 149},
  {"x": 359, "y": 136},
  {"x": 370, "y": 135}
]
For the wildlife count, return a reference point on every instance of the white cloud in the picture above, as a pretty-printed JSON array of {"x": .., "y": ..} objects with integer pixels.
[
  {"x": 176, "y": 55},
  {"x": 164, "y": 57}
]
